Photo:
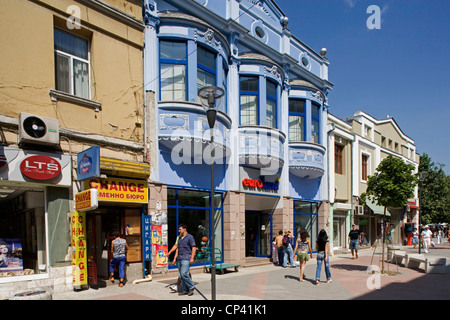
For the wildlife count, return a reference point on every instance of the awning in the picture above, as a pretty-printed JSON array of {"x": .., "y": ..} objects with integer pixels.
[
  {"x": 377, "y": 209},
  {"x": 412, "y": 205}
]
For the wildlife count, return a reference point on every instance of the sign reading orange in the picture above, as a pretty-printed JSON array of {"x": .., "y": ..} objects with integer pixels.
[
  {"x": 86, "y": 200},
  {"x": 119, "y": 190},
  {"x": 79, "y": 257}
]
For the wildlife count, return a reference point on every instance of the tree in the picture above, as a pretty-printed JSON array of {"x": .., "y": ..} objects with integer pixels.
[
  {"x": 434, "y": 191},
  {"x": 391, "y": 186}
]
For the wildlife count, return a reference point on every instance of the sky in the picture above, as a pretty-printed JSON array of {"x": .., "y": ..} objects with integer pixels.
[{"x": 401, "y": 70}]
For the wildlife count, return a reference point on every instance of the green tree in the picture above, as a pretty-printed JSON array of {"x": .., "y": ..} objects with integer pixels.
[
  {"x": 391, "y": 186},
  {"x": 434, "y": 191}
]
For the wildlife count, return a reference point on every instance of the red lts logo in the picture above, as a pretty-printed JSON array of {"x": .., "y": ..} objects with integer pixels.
[{"x": 40, "y": 167}]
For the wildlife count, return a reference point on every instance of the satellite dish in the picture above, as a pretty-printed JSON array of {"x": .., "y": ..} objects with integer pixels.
[{"x": 34, "y": 127}]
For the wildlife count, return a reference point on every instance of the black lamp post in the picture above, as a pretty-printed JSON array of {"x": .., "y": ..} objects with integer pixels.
[{"x": 208, "y": 97}]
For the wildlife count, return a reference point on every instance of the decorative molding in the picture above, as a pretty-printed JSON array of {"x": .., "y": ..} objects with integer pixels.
[{"x": 173, "y": 116}]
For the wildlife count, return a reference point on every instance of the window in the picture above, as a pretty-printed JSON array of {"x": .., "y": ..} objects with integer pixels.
[
  {"x": 364, "y": 167},
  {"x": 173, "y": 71},
  {"x": 71, "y": 64},
  {"x": 296, "y": 120},
  {"x": 338, "y": 158},
  {"x": 315, "y": 122},
  {"x": 224, "y": 87},
  {"x": 206, "y": 68},
  {"x": 271, "y": 104},
  {"x": 249, "y": 101},
  {"x": 192, "y": 208}
]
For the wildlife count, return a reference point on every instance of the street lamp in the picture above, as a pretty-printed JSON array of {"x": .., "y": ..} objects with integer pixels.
[
  {"x": 210, "y": 97},
  {"x": 422, "y": 176}
]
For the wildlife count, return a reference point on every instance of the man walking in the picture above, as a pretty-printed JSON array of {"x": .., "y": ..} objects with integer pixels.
[
  {"x": 426, "y": 238},
  {"x": 186, "y": 252},
  {"x": 280, "y": 248},
  {"x": 354, "y": 238}
]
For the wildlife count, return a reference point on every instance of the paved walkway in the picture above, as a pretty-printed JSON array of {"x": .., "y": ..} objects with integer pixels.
[{"x": 351, "y": 280}]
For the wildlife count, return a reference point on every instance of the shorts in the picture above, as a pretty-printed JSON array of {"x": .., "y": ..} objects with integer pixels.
[
  {"x": 415, "y": 240},
  {"x": 354, "y": 244},
  {"x": 302, "y": 256}
]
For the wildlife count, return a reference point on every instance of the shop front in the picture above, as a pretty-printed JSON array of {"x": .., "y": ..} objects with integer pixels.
[
  {"x": 122, "y": 204},
  {"x": 34, "y": 228}
]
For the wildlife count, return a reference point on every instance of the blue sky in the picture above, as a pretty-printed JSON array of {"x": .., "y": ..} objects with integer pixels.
[{"x": 401, "y": 70}]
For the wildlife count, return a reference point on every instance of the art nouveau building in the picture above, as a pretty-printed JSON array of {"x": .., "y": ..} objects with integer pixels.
[{"x": 270, "y": 135}]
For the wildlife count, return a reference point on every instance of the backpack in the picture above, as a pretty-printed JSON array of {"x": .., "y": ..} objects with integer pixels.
[{"x": 285, "y": 241}]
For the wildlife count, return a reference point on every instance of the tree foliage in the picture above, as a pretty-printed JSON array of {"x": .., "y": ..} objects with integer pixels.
[
  {"x": 434, "y": 191},
  {"x": 392, "y": 184}
]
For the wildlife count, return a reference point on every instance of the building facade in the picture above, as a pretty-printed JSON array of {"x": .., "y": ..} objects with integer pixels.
[
  {"x": 71, "y": 79},
  {"x": 356, "y": 148},
  {"x": 269, "y": 137}
]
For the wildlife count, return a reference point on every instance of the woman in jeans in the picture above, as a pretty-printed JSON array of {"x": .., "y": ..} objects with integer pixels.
[{"x": 322, "y": 245}]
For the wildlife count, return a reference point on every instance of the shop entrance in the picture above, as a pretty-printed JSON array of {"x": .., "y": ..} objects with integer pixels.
[
  {"x": 258, "y": 234},
  {"x": 101, "y": 223}
]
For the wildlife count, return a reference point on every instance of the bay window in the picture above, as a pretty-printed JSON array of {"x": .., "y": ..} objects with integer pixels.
[
  {"x": 173, "y": 70},
  {"x": 296, "y": 120},
  {"x": 271, "y": 104},
  {"x": 249, "y": 101}
]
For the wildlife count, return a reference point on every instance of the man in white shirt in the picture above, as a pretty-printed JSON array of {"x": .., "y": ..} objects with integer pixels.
[{"x": 426, "y": 238}]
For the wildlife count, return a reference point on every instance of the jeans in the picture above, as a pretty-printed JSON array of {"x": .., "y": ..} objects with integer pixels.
[
  {"x": 281, "y": 253},
  {"x": 186, "y": 281},
  {"x": 288, "y": 253},
  {"x": 118, "y": 261},
  {"x": 320, "y": 259}
]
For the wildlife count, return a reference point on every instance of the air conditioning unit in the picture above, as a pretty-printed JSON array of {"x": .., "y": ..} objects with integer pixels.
[
  {"x": 38, "y": 130},
  {"x": 359, "y": 210}
]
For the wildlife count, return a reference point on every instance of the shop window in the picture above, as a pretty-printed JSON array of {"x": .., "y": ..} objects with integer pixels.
[
  {"x": 306, "y": 218},
  {"x": 191, "y": 207},
  {"x": 173, "y": 60},
  {"x": 71, "y": 64},
  {"x": 296, "y": 120},
  {"x": 22, "y": 232}
]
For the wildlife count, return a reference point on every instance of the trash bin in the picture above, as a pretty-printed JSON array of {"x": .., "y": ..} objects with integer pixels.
[{"x": 35, "y": 294}]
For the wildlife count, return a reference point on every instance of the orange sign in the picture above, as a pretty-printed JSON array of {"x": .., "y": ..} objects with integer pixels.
[
  {"x": 119, "y": 190},
  {"x": 86, "y": 200}
]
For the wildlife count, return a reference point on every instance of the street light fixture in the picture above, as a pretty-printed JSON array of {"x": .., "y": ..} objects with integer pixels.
[{"x": 210, "y": 97}]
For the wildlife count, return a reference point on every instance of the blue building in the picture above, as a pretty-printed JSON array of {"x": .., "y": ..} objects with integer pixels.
[{"x": 270, "y": 134}]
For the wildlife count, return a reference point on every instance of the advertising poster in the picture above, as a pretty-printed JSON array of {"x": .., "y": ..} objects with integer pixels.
[
  {"x": 79, "y": 257},
  {"x": 156, "y": 234},
  {"x": 161, "y": 259},
  {"x": 11, "y": 254}
]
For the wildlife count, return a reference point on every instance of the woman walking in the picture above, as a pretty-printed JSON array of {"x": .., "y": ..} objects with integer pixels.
[
  {"x": 302, "y": 247},
  {"x": 322, "y": 245}
]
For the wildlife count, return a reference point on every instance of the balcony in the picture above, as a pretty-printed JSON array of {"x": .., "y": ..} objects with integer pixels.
[
  {"x": 261, "y": 147},
  {"x": 306, "y": 160},
  {"x": 183, "y": 128}
]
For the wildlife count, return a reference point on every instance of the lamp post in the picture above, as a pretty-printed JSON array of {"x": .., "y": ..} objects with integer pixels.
[
  {"x": 421, "y": 179},
  {"x": 208, "y": 97}
]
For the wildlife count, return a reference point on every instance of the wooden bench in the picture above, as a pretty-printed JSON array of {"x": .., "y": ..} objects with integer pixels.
[
  {"x": 219, "y": 265},
  {"x": 431, "y": 264}
]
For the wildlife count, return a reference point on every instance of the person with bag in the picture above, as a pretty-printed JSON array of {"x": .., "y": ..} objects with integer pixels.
[
  {"x": 119, "y": 249},
  {"x": 322, "y": 245},
  {"x": 288, "y": 243}
]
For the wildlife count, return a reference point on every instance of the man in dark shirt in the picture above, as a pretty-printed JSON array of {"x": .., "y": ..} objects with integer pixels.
[
  {"x": 186, "y": 252},
  {"x": 354, "y": 238}
]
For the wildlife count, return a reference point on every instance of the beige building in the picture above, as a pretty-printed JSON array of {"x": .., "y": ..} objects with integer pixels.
[
  {"x": 71, "y": 77},
  {"x": 360, "y": 143}
]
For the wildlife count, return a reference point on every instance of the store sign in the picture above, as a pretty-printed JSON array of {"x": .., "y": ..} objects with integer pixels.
[
  {"x": 86, "y": 200},
  {"x": 147, "y": 238},
  {"x": 119, "y": 190},
  {"x": 88, "y": 163},
  {"x": 79, "y": 256},
  {"x": 261, "y": 184},
  {"x": 40, "y": 167}
]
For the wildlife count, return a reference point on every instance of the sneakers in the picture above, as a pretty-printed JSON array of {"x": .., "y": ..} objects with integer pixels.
[{"x": 189, "y": 293}]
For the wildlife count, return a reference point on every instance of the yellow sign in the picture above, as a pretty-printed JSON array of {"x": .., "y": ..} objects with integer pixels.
[
  {"x": 86, "y": 200},
  {"x": 119, "y": 190},
  {"x": 79, "y": 258}
]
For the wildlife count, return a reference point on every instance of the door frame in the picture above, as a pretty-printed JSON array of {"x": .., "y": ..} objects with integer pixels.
[{"x": 257, "y": 226}]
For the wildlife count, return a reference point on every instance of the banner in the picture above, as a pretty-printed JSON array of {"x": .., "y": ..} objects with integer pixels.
[
  {"x": 147, "y": 237},
  {"x": 119, "y": 190},
  {"x": 79, "y": 257}
]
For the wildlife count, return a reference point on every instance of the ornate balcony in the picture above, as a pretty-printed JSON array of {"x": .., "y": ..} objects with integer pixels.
[
  {"x": 261, "y": 147},
  {"x": 183, "y": 127},
  {"x": 306, "y": 160}
]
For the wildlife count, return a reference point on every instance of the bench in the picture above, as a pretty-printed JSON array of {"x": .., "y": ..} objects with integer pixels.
[
  {"x": 431, "y": 264},
  {"x": 398, "y": 257},
  {"x": 219, "y": 265}
]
